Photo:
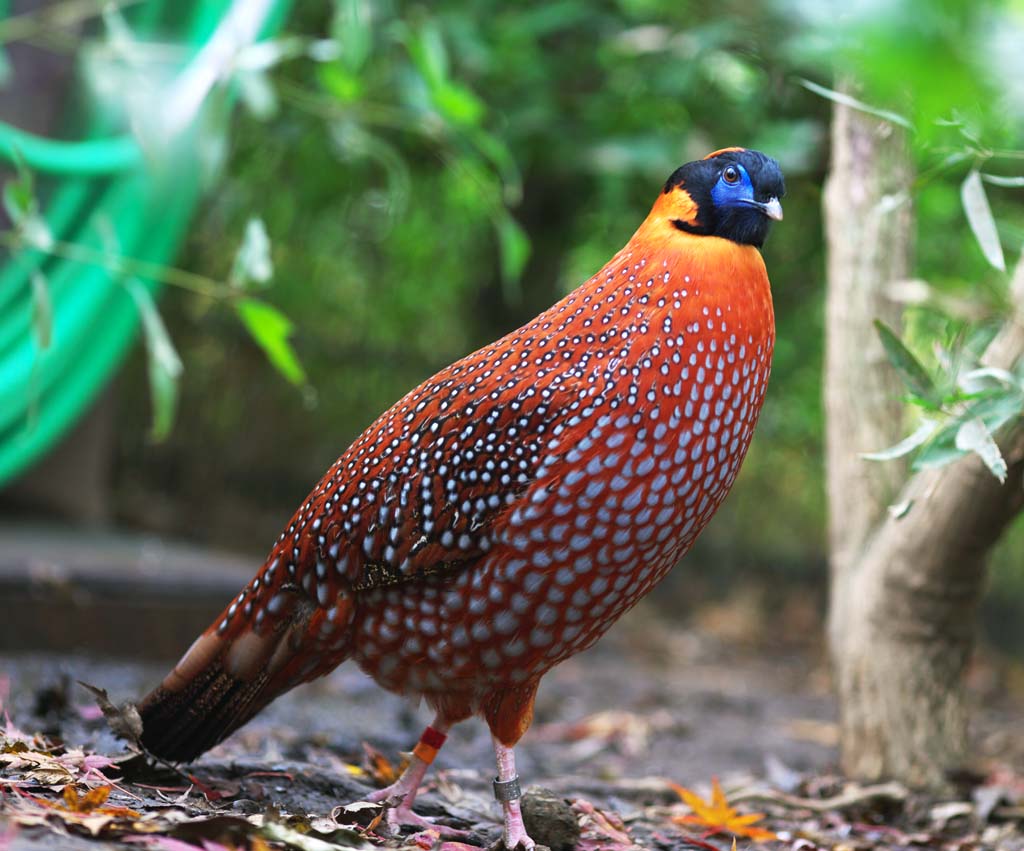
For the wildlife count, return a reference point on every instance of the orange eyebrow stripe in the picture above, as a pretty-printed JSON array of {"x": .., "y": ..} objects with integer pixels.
[{"x": 714, "y": 154}]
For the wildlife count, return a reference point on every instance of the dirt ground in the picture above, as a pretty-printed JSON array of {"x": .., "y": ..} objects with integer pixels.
[{"x": 652, "y": 703}]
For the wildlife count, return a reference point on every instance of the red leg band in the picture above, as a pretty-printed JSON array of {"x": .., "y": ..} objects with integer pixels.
[
  {"x": 433, "y": 738},
  {"x": 429, "y": 744}
]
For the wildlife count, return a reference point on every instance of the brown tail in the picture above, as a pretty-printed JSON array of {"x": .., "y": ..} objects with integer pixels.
[{"x": 225, "y": 679}]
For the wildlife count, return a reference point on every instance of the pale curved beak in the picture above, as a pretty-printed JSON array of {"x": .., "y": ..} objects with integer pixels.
[{"x": 772, "y": 209}]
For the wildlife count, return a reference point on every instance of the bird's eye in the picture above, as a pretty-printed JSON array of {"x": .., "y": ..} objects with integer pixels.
[{"x": 731, "y": 174}]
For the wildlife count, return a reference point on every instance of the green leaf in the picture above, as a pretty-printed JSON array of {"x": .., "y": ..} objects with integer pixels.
[
  {"x": 853, "y": 103},
  {"x": 999, "y": 180},
  {"x": 350, "y": 28},
  {"x": 339, "y": 82},
  {"x": 993, "y": 412},
  {"x": 119, "y": 34},
  {"x": 458, "y": 104},
  {"x": 987, "y": 378},
  {"x": 428, "y": 52},
  {"x": 905, "y": 446},
  {"x": 163, "y": 363},
  {"x": 940, "y": 450},
  {"x": 909, "y": 368},
  {"x": 266, "y": 54},
  {"x": 499, "y": 154},
  {"x": 900, "y": 509},
  {"x": 323, "y": 50},
  {"x": 42, "y": 311},
  {"x": 257, "y": 93},
  {"x": 19, "y": 195},
  {"x": 997, "y": 409},
  {"x": 514, "y": 247},
  {"x": 979, "y": 217},
  {"x": 271, "y": 329},
  {"x": 252, "y": 261},
  {"x": 974, "y": 436}
]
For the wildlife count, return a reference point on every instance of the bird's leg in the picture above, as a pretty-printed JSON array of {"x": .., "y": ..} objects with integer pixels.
[
  {"x": 406, "y": 786},
  {"x": 508, "y": 793},
  {"x": 423, "y": 754}
]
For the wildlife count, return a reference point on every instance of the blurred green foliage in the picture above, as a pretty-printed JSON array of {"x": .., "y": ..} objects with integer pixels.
[{"x": 443, "y": 172}]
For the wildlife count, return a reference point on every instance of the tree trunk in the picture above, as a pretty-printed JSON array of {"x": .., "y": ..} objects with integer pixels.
[
  {"x": 869, "y": 231},
  {"x": 905, "y": 584}
]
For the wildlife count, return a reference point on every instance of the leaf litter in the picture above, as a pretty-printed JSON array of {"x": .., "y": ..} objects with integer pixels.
[{"x": 289, "y": 788}]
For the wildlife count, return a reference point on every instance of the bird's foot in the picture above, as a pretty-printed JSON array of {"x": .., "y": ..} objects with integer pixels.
[
  {"x": 398, "y": 815},
  {"x": 402, "y": 790},
  {"x": 515, "y": 837},
  {"x": 401, "y": 816}
]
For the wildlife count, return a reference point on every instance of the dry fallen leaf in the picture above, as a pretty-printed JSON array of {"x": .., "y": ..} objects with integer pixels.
[
  {"x": 85, "y": 812},
  {"x": 629, "y": 731},
  {"x": 35, "y": 767},
  {"x": 601, "y": 830},
  {"x": 379, "y": 767},
  {"x": 124, "y": 721},
  {"x": 716, "y": 816}
]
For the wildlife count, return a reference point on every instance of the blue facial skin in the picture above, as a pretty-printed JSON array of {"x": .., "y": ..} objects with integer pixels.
[
  {"x": 738, "y": 211},
  {"x": 740, "y": 191}
]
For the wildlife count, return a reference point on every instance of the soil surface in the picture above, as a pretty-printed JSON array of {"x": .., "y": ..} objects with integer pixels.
[{"x": 651, "y": 703}]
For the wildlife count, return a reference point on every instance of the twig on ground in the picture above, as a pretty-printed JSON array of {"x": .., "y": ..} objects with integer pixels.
[{"x": 852, "y": 796}]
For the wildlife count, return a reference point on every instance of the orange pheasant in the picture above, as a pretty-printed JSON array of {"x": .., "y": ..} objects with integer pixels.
[{"x": 505, "y": 513}]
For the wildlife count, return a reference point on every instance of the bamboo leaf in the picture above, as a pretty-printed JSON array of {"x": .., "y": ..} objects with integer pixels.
[
  {"x": 997, "y": 410},
  {"x": 350, "y": 29},
  {"x": 940, "y": 450},
  {"x": 323, "y": 50},
  {"x": 42, "y": 311},
  {"x": 912, "y": 373},
  {"x": 854, "y": 103},
  {"x": 163, "y": 363},
  {"x": 983, "y": 378},
  {"x": 270, "y": 329},
  {"x": 426, "y": 47},
  {"x": 267, "y": 54},
  {"x": 905, "y": 446},
  {"x": 22, "y": 207},
  {"x": 257, "y": 93},
  {"x": 979, "y": 217},
  {"x": 458, "y": 104},
  {"x": 974, "y": 436},
  {"x": 252, "y": 263},
  {"x": 19, "y": 197},
  {"x": 900, "y": 509},
  {"x": 1000, "y": 180}
]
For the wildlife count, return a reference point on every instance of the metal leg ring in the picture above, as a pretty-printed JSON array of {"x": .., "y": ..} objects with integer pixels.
[{"x": 507, "y": 790}]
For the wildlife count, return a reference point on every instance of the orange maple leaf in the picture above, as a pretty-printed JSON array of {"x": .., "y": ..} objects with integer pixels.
[
  {"x": 92, "y": 803},
  {"x": 716, "y": 816}
]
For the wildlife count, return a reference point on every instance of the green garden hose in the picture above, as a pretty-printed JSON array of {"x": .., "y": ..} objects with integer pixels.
[{"x": 95, "y": 191}]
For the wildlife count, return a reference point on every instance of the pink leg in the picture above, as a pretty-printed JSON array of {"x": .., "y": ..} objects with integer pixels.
[
  {"x": 404, "y": 789},
  {"x": 406, "y": 786},
  {"x": 506, "y": 790}
]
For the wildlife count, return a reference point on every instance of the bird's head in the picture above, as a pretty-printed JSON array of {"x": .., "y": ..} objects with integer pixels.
[{"x": 732, "y": 193}]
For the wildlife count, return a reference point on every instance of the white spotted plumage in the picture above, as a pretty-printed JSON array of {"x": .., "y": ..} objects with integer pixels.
[{"x": 502, "y": 515}]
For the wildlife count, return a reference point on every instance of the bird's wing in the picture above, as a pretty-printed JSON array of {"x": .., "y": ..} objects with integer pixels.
[{"x": 419, "y": 492}]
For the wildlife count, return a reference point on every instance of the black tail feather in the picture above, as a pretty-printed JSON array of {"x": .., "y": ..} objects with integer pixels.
[
  {"x": 179, "y": 725},
  {"x": 225, "y": 679}
]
